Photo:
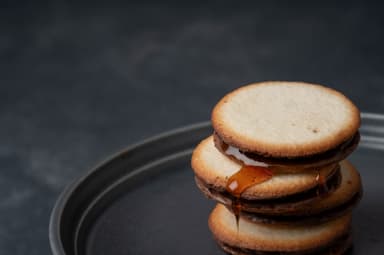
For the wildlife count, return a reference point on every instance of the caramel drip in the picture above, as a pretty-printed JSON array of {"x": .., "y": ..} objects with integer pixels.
[
  {"x": 322, "y": 187},
  {"x": 246, "y": 177}
]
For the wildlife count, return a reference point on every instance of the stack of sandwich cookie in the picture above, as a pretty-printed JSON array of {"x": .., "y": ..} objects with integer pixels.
[{"x": 276, "y": 165}]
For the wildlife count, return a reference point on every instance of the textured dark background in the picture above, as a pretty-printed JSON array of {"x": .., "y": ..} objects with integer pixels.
[{"x": 79, "y": 81}]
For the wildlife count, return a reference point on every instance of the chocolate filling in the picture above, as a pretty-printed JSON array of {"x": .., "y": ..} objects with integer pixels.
[
  {"x": 289, "y": 202},
  {"x": 338, "y": 246},
  {"x": 304, "y": 219},
  {"x": 329, "y": 157}
]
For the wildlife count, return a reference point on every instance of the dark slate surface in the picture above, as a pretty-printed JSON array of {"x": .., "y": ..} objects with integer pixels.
[{"x": 80, "y": 82}]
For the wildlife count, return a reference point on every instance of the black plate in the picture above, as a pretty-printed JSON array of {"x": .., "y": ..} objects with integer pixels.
[{"x": 144, "y": 200}]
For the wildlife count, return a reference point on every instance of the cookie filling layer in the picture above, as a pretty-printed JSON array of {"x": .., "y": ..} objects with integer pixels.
[
  {"x": 256, "y": 159},
  {"x": 323, "y": 216}
]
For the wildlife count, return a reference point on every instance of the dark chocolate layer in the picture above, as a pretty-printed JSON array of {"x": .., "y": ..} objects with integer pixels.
[
  {"x": 329, "y": 157},
  {"x": 323, "y": 216}
]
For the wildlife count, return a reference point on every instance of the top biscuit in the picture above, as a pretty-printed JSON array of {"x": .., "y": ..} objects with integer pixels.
[{"x": 285, "y": 119}]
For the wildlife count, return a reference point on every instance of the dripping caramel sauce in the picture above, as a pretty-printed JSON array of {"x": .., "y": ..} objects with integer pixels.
[
  {"x": 246, "y": 177},
  {"x": 322, "y": 187},
  {"x": 254, "y": 172}
]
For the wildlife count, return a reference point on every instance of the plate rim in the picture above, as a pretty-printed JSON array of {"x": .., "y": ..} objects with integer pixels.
[
  {"x": 62, "y": 200},
  {"x": 54, "y": 231}
]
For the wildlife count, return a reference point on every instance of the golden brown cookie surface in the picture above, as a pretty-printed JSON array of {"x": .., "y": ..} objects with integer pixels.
[{"x": 285, "y": 119}]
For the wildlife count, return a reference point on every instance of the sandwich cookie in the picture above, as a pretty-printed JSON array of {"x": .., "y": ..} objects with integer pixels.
[
  {"x": 331, "y": 237},
  {"x": 285, "y": 197},
  {"x": 213, "y": 169},
  {"x": 284, "y": 123}
]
